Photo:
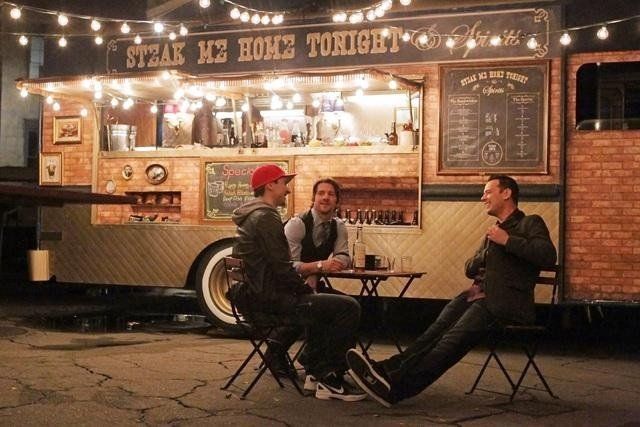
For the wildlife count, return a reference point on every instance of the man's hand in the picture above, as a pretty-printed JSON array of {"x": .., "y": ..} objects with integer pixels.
[
  {"x": 332, "y": 265},
  {"x": 497, "y": 235}
]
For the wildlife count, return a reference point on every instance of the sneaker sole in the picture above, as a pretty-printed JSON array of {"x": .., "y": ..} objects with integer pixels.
[
  {"x": 370, "y": 392},
  {"x": 309, "y": 384},
  {"x": 377, "y": 376},
  {"x": 322, "y": 395}
]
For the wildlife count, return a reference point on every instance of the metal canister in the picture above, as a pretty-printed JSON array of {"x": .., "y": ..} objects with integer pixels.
[{"x": 119, "y": 137}]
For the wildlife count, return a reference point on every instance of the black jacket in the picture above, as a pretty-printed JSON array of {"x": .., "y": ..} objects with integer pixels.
[
  {"x": 511, "y": 270},
  {"x": 273, "y": 283}
]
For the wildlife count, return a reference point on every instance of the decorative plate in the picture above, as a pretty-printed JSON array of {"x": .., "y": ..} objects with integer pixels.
[{"x": 156, "y": 173}]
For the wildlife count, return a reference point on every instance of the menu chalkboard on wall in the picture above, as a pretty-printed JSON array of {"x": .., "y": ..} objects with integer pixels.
[
  {"x": 493, "y": 118},
  {"x": 227, "y": 186}
]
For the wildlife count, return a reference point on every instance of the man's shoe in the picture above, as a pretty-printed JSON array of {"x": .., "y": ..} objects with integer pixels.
[
  {"x": 310, "y": 383},
  {"x": 365, "y": 375},
  {"x": 279, "y": 363},
  {"x": 333, "y": 386}
]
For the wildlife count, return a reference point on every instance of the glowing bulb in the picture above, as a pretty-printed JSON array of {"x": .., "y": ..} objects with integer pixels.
[
  {"x": 172, "y": 35},
  {"x": 204, "y": 3},
  {"x": 386, "y": 4},
  {"x": 359, "y": 92},
  {"x": 24, "y": 92},
  {"x": 565, "y": 39},
  {"x": 166, "y": 75},
  {"x": 356, "y": 18},
  {"x": 158, "y": 27},
  {"x": 450, "y": 43},
  {"x": 95, "y": 25},
  {"x": 495, "y": 41},
  {"x": 289, "y": 105},
  {"x": 125, "y": 28},
  {"x": 340, "y": 17},
  {"x": 235, "y": 13},
  {"x": 244, "y": 16},
  {"x": 371, "y": 15},
  {"x": 277, "y": 20},
  {"x": 49, "y": 99},
  {"x": 385, "y": 32},
  {"x": 137, "y": 39},
  {"x": 114, "y": 102},
  {"x": 265, "y": 20},
  {"x": 471, "y": 44},
  {"x": 97, "y": 94},
  {"x": 62, "y": 42},
  {"x": 296, "y": 97},
  {"x": 532, "y": 43},
  {"x": 63, "y": 20},
  {"x": 15, "y": 13},
  {"x": 380, "y": 12},
  {"x": 255, "y": 19},
  {"x": 315, "y": 103},
  {"x": 406, "y": 37},
  {"x": 245, "y": 107},
  {"x": 405, "y": 2},
  {"x": 602, "y": 33},
  {"x": 183, "y": 30},
  {"x": 423, "y": 39},
  {"x": 56, "y": 106},
  {"x": 154, "y": 108},
  {"x": 84, "y": 112},
  {"x": 393, "y": 85},
  {"x": 23, "y": 40},
  {"x": 98, "y": 40},
  {"x": 220, "y": 102}
]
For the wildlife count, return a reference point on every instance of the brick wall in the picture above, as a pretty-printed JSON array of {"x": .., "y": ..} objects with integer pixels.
[
  {"x": 76, "y": 157},
  {"x": 603, "y": 202}
]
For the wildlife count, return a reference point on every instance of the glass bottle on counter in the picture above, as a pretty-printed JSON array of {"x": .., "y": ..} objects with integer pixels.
[
  {"x": 359, "y": 250},
  {"x": 392, "y": 137}
]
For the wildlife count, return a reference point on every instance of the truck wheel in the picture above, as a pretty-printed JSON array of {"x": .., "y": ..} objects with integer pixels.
[{"x": 211, "y": 285}]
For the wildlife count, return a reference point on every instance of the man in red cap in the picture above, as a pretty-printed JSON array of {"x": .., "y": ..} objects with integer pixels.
[{"x": 275, "y": 287}]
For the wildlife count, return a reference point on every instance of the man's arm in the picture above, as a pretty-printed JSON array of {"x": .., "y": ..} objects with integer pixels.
[
  {"x": 341, "y": 246},
  {"x": 473, "y": 265},
  {"x": 295, "y": 231},
  {"x": 535, "y": 246}
]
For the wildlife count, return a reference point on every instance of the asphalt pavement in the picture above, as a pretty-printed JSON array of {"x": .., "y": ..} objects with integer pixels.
[{"x": 64, "y": 363}]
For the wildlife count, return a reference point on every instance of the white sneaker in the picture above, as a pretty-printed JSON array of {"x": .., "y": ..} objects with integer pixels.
[
  {"x": 310, "y": 383},
  {"x": 334, "y": 387}
]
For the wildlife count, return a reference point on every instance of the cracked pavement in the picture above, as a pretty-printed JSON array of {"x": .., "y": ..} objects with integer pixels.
[{"x": 167, "y": 378}]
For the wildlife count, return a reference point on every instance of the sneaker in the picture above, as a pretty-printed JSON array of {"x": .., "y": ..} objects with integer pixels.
[
  {"x": 310, "y": 383},
  {"x": 371, "y": 381},
  {"x": 279, "y": 363},
  {"x": 334, "y": 387}
]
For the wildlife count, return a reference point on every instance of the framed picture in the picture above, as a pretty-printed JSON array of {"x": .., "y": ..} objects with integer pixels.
[
  {"x": 51, "y": 169},
  {"x": 67, "y": 130}
]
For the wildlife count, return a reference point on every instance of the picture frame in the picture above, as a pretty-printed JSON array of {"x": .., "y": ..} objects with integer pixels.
[
  {"x": 51, "y": 169},
  {"x": 67, "y": 130}
]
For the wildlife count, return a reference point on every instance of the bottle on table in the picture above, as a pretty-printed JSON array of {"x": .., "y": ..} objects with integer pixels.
[
  {"x": 359, "y": 250},
  {"x": 392, "y": 137}
]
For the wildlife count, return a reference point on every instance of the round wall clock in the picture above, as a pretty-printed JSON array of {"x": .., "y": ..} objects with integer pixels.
[{"x": 156, "y": 173}]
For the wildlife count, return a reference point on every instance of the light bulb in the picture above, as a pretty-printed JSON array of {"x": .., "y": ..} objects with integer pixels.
[
  {"x": 15, "y": 13},
  {"x": 56, "y": 106},
  {"x": 49, "y": 99},
  {"x": 220, "y": 102},
  {"x": 340, "y": 17},
  {"x": 23, "y": 40},
  {"x": 315, "y": 103},
  {"x": 125, "y": 28},
  {"x": 24, "y": 92},
  {"x": 137, "y": 39},
  {"x": 97, "y": 94},
  {"x": 255, "y": 19},
  {"x": 359, "y": 92},
  {"x": 154, "y": 108},
  {"x": 244, "y": 16},
  {"x": 62, "y": 42},
  {"x": 245, "y": 107},
  {"x": 296, "y": 97},
  {"x": 183, "y": 30},
  {"x": 114, "y": 102},
  {"x": 172, "y": 35},
  {"x": 405, "y": 2},
  {"x": 277, "y": 20},
  {"x": 423, "y": 39},
  {"x": 98, "y": 40},
  {"x": 235, "y": 13},
  {"x": 385, "y": 32},
  {"x": 450, "y": 43},
  {"x": 406, "y": 37},
  {"x": 356, "y": 18},
  {"x": 495, "y": 41},
  {"x": 265, "y": 20},
  {"x": 603, "y": 33},
  {"x": 204, "y": 3},
  {"x": 393, "y": 85},
  {"x": 63, "y": 20},
  {"x": 371, "y": 15},
  {"x": 380, "y": 12},
  {"x": 166, "y": 75},
  {"x": 532, "y": 43},
  {"x": 386, "y": 4},
  {"x": 84, "y": 112},
  {"x": 471, "y": 44},
  {"x": 289, "y": 105},
  {"x": 95, "y": 25},
  {"x": 158, "y": 27},
  {"x": 565, "y": 39}
]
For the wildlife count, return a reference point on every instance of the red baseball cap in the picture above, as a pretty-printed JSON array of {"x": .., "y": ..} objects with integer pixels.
[{"x": 265, "y": 174}]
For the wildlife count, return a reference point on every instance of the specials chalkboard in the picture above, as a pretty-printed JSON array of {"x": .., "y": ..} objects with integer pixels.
[
  {"x": 227, "y": 186},
  {"x": 493, "y": 118}
]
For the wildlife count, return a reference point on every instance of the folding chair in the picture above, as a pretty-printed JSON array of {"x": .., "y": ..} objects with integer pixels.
[
  {"x": 528, "y": 337},
  {"x": 258, "y": 326}
]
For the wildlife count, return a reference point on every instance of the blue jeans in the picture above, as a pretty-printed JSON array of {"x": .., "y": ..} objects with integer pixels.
[{"x": 460, "y": 326}]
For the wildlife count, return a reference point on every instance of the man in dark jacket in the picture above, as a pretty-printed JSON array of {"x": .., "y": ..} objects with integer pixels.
[
  {"x": 275, "y": 287},
  {"x": 503, "y": 269}
]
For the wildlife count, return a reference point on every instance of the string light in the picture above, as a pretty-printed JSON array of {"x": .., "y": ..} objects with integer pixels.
[
  {"x": 95, "y": 25},
  {"x": 471, "y": 43},
  {"x": 172, "y": 36},
  {"x": 602, "y": 33},
  {"x": 450, "y": 42},
  {"x": 63, "y": 20},
  {"x": 15, "y": 13},
  {"x": 532, "y": 43},
  {"x": 183, "y": 30},
  {"x": 565, "y": 39},
  {"x": 125, "y": 28},
  {"x": 62, "y": 42},
  {"x": 83, "y": 112},
  {"x": 98, "y": 40},
  {"x": 495, "y": 40},
  {"x": 23, "y": 40},
  {"x": 137, "y": 39},
  {"x": 204, "y": 3},
  {"x": 24, "y": 92},
  {"x": 158, "y": 27},
  {"x": 256, "y": 16}
]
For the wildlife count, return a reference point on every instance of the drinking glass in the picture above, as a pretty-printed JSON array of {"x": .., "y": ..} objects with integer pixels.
[{"x": 406, "y": 263}]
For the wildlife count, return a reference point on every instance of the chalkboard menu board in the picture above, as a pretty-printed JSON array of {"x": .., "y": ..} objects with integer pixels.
[
  {"x": 228, "y": 186},
  {"x": 493, "y": 118}
]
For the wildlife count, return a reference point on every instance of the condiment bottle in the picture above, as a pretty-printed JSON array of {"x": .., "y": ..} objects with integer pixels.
[{"x": 359, "y": 250}]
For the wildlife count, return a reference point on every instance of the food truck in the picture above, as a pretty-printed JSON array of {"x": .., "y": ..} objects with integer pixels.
[{"x": 411, "y": 115}]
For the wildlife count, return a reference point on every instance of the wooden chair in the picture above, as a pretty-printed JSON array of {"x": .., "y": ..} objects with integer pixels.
[
  {"x": 527, "y": 336},
  {"x": 258, "y": 327}
]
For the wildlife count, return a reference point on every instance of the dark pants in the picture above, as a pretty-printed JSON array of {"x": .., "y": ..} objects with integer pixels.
[
  {"x": 331, "y": 322},
  {"x": 460, "y": 326}
]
